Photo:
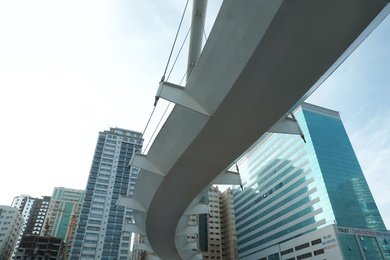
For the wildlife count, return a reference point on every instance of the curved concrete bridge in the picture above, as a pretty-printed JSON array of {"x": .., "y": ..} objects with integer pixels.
[{"x": 262, "y": 59}]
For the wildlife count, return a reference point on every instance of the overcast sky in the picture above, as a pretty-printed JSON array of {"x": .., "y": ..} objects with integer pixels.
[{"x": 71, "y": 69}]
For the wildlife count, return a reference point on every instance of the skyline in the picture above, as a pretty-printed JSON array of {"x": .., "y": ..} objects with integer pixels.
[{"x": 69, "y": 70}]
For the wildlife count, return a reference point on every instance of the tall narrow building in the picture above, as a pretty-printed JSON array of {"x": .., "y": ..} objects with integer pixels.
[
  {"x": 217, "y": 233},
  {"x": 99, "y": 234},
  {"x": 62, "y": 216},
  {"x": 24, "y": 203},
  {"x": 228, "y": 225},
  {"x": 210, "y": 236},
  {"x": 34, "y": 211},
  {"x": 292, "y": 188}
]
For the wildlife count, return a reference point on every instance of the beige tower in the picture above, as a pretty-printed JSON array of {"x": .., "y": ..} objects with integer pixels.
[
  {"x": 228, "y": 225},
  {"x": 217, "y": 238}
]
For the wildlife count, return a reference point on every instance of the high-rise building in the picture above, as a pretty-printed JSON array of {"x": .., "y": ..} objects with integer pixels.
[
  {"x": 11, "y": 223},
  {"x": 34, "y": 211},
  {"x": 24, "y": 203},
  {"x": 61, "y": 218},
  {"x": 38, "y": 211},
  {"x": 292, "y": 188},
  {"x": 217, "y": 233},
  {"x": 228, "y": 225},
  {"x": 210, "y": 237},
  {"x": 99, "y": 234}
]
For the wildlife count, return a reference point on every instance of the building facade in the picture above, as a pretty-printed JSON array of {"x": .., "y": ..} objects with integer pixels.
[
  {"x": 99, "y": 234},
  {"x": 36, "y": 220},
  {"x": 24, "y": 203},
  {"x": 217, "y": 233},
  {"x": 292, "y": 188},
  {"x": 332, "y": 242},
  {"x": 228, "y": 225},
  {"x": 62, "y": 215},
  {"x": 210, "y": 237},
  {"x": 34, "y": 211},
  {"x": 11, "y": 223}
]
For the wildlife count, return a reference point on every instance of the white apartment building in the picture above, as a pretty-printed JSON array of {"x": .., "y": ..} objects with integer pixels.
[{"x": 11, "y": 222}]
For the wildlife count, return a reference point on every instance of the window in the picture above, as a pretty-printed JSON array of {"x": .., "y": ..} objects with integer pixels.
[
  {"x": 315, "y": 242},
  {"x": 304, "y": 256},
  {"x": 288, "y": 251},
  {"x": 91, "y": 235},
  {"x": 93, "y": 228},
  {"x": 90, "y": 241},
  {"x": 301, "y": 246},
  {"x": 319, "y": 252}
]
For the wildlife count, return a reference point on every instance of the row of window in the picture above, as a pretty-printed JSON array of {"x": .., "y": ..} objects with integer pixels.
[{"x": 305, "y": 245}]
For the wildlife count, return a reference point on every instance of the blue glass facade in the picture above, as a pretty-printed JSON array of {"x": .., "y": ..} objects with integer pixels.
[
  {"x": 99, "y": 234},
  {"x": 292, "y": 188}
]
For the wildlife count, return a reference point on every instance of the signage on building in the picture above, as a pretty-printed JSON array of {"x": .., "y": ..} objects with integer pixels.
[
  {"x": 363, "y": 232},
  {"x": 329, "y": 243}
]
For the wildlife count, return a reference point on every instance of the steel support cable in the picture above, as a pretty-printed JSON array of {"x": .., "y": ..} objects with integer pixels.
[
  {"x": 150, "y": 117},
  {"x": 178, "y": 54},
  {"x": 204, "y": 32},
  {"x": 166, "y": 67},
  {"x": 159, "y": 122},
  {"x": 170, "y": 72},
  {"x": 174, "y": 42}
]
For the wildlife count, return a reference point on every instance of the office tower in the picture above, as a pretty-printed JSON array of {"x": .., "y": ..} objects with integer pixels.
[
  {"x": 34, "y": 211},
  {"x": 99, "y": 234},
  {"x": 61, "y": 218},
  {"x": 217, "y": 234},
  {"x": 292, "y": 188},
  {"x": 11, "y": 223}
]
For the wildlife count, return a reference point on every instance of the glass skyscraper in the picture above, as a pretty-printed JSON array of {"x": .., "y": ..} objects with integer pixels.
[
  {"x": 292, "y": 188},
  {"x": 99, "y": 234}
]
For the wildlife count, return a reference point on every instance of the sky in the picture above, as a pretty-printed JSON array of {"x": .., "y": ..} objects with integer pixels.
[{"x": 70, "y": 69}]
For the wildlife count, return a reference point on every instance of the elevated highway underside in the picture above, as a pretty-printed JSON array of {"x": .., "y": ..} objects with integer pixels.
[{"x": 261, "y": 60}]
